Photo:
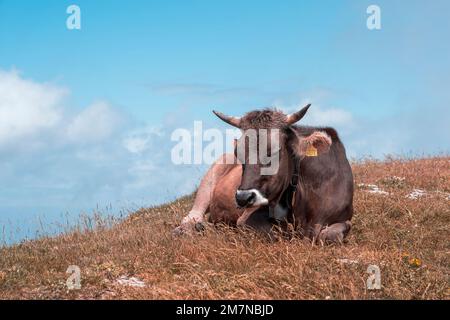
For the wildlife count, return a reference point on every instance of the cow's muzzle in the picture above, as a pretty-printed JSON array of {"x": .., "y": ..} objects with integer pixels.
[{"x": 250, "y": 198}]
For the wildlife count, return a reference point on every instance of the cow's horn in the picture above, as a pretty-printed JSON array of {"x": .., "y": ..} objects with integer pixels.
[
  {"x": 234, "y": 121},
  {"x": 296, "y": 116}
]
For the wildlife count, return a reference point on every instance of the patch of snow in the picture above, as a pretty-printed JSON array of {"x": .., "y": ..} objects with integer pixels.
[
  {"x": 372, "y": 188},
  {"x": 347, "y": 261},
  {"x": 131, "y": 282},
  {"x": 416, "y": 193}
]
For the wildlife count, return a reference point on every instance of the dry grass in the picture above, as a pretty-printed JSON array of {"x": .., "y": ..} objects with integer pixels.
[{"x": 407, "y": 238}]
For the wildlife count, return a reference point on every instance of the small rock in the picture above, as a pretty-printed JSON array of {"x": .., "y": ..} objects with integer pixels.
[
  {"x": 347, "y": 261},
  {"x": 416, "y": 193},
  {"x": 131, "y": 282},
  {"x": 372, "y": 188}
]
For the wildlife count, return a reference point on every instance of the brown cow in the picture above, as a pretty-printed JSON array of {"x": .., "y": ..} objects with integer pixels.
[{"x": 312, "y": 187}]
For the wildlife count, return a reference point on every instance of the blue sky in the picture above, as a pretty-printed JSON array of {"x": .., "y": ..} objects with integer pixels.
[{"x": 87, "y": 114}]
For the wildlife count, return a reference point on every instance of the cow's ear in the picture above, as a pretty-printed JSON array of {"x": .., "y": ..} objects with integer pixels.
[{"x": 311, "y": 146}]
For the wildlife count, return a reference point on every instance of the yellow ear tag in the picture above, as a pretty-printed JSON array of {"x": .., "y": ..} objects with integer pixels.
[{"x": 311, "y": 151}]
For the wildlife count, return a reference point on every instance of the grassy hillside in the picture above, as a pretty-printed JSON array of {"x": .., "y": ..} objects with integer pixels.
[{"x": 404, "y": 231}]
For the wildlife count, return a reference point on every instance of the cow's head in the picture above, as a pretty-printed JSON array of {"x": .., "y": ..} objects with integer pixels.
[{"x": 263, "y": 183}]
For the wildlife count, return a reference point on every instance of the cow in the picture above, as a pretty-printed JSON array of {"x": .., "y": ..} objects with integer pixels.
[{"x": 312, "y": 188}]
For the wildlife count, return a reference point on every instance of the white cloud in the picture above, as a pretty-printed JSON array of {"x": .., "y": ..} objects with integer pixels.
[
  {"x": 33, "y": 114},
  {"x": 90, "y": 152},
  {"x": 329, "y": 117},
  {"x": 93, "y": 124},
  {"x": 27, "y": 107},
  {"x": 320, "y": 116},
  {"x": 135, "y": 144},
  {"x": 365, "y": 136},
  {"x": 140, "y": 140}
]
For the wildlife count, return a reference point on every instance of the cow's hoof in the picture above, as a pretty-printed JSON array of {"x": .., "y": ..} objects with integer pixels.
[
  {"x": 199, "y": 227},
  {"x": 188, "y": 229},
  {"x": 181, "y": 231}
]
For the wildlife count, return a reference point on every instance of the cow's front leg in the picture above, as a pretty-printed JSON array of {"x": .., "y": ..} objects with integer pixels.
[
  {"x": 334, "y": 233},
  {"x": 196, "y": 217},
  {"x": 193, "y": 221}
]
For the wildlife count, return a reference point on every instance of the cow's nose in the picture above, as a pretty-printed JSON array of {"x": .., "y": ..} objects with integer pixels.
[{"x": 245, "y": 198}]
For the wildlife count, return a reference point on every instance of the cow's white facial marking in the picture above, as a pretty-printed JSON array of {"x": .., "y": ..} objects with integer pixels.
[
  {"x": 257, "y": 200},
  {"x": 260, "y": 199}
]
